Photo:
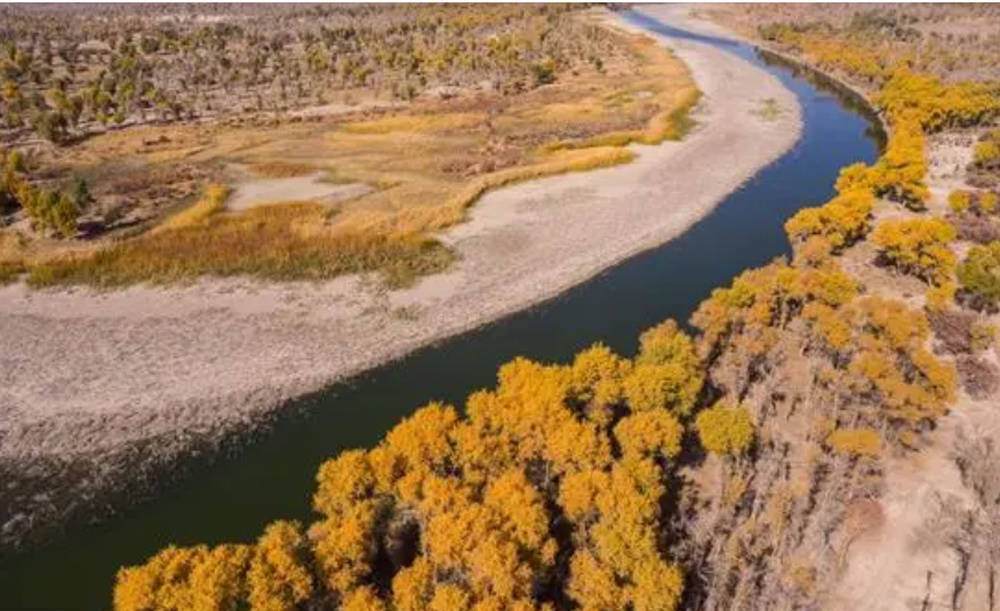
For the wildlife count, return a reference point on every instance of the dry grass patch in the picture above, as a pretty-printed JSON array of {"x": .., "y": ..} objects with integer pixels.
[
  {"x": 10, "y": 271},
  {"x": 281, "y": 169},
  {"x": 283, "y": 242},
  {"x": 213, "y": 201},
  {"x": 416, "y": 123}
]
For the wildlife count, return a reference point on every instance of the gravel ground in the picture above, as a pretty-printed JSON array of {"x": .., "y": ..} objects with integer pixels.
[{"x": 101, "y": 392}]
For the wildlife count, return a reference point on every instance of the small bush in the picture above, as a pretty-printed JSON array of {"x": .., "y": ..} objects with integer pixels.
[
  {"x": 987, "y": 150},
  {"x": 988, "y": 201},
  {"x": 855, "y": 442},
  {"x": 975, "y": 228},
  {"x": 977, "y": 202},
  {"x": 984, "y": 171},
  {"x": 983, "y": 336},
  {"x": 959, "y": 201},
  {"x": 939, "y": 298},
  {"x": 980, "y": 276}
]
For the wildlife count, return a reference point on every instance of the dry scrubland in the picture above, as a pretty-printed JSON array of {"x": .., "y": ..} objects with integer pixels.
[
  {"x": 840, "y": 407},
  {"x": 499, "y": 96},
  {"x": 917, "y": 523}
]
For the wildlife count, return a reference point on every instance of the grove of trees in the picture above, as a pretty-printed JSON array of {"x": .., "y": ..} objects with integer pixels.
[
  {"x": 547, "y": 491},
  {"x": 68, "y": 71},
  {"x": 918, "y": 246},
  {"x": 49, "y": 210}
]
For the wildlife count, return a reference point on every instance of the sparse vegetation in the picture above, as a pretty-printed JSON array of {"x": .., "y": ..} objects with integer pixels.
[
  {"x": 979, "y": 377},
  {"x": 540, "y": 116},
  {"x": 280, "y": 169},
  {"x": 931, "y": 72},
  {"x": 984, "y": 171},
  {"x": 71, "y": 72}
]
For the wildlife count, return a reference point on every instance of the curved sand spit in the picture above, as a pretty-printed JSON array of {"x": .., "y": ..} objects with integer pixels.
[{"x": 99, "y": 390}]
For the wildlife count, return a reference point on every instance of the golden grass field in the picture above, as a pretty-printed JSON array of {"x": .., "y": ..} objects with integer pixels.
[{"x": 428, "y": 163}]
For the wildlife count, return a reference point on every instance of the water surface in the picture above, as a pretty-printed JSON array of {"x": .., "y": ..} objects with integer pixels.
[{"x": 233, "y": 499}]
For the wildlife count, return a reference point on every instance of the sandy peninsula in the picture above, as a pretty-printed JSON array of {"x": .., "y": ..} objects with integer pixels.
[{"x": 100, "y": 389}]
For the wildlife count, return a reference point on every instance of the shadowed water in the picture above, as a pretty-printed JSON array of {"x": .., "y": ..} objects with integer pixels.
[{"x": 272, "y": 477}]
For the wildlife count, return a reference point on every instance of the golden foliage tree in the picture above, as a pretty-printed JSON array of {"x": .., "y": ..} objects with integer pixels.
[
  {"x": 725, "y": 429},
  {"x": 918, "y": 246},
  {"x": 841, "y": 222},
  {"x": 882, "y": 365}
]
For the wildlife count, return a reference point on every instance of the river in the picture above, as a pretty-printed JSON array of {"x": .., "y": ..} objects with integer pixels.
[{"x": 271, "y": 478}]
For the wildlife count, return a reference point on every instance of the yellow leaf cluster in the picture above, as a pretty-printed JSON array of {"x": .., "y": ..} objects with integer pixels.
[
  {"x": 882, "y": 346},
  {"x": 195, "y": 578},
  {"x": 842, "y": 221},
  {"x": 762, "y": 300},
  {"x": 725, "y": 429},
  {"x": 918, "y": 246},
  {"x": 855, "y": 442}
]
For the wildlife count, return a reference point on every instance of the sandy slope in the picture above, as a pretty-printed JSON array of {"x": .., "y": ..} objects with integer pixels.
[{"x": 96, "y": 389}]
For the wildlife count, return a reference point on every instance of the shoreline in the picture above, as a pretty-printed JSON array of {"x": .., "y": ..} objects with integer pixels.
[{"x": 105, "y": 392}]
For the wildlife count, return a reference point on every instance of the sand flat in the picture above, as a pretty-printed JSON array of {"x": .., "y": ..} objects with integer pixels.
[{"x": 253, "y": 192}]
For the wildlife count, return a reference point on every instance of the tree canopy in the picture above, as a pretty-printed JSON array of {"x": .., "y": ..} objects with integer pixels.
[{"x": 548, "y": 489}]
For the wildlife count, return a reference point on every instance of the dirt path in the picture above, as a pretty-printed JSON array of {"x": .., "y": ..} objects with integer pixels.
[{"x": 96, "y": 387}]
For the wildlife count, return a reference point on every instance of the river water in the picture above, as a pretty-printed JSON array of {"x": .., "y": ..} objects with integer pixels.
[{"x": 271, "y": 478}]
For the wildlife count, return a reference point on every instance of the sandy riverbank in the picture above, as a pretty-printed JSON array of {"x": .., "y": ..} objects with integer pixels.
[{"x": 99, "y": 389}]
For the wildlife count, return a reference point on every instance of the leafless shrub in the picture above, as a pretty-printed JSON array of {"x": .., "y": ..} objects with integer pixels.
[
  {"x": 975, "y": 228},
  {"x": 953, "y": 330},
  {"x": 979, "y": 378},
  {"x": 980, "y": 466}
]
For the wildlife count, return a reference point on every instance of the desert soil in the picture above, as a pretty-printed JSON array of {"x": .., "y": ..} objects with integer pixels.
[
  {"x": 251, "y": 191},
  {"x": 98, "y": 388}
]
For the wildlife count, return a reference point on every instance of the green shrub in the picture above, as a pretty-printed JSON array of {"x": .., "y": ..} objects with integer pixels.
[{"x": 979, "y": 275}]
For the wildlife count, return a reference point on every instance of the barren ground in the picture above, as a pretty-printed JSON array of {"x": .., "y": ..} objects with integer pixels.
[{"x": 252, "y": 191}]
